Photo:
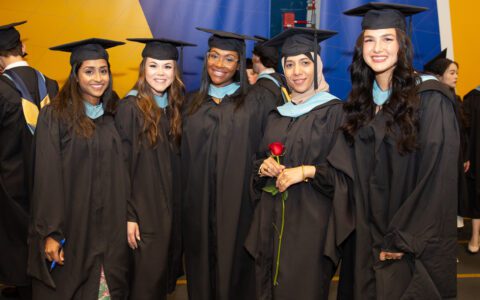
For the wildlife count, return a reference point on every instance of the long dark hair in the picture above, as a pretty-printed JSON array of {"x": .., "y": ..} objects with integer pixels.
[
  {"x": 401, "y": 109},
  {"x": 69, "y": 107},
  {"x": 152, "y": 113},
  {"x": 201, "y": 95}
]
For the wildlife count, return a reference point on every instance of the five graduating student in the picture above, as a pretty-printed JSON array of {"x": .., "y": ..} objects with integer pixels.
[
  {"x": 287, "y": 238},
  {"x": 81, "y": 186},
  {"x": 400, "y": 149},
  {"x": 149, "y": 122},
  {"x": 222, "y": 130},
  {"x": 23, "y": 92}
]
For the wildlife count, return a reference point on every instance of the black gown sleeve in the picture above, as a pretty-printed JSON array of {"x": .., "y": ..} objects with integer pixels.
[
  {"x": 128, "y": 129},
  {"x": 334, "y": 179},
  {"x": 416, "y": 222},
  {"x": 48, "y": 205}
]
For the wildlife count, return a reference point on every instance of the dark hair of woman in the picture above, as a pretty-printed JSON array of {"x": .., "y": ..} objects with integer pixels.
[
  {"x": 201, "y": 96},
  {"x": 401, "y": 109},
  {"x": 152, "y": 113},
  {"x": 440, "y": 66},
  {"x": 69, "y": 107}
]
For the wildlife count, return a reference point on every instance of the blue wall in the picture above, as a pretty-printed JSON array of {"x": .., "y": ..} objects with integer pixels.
[{"x": 177, "y": 19}]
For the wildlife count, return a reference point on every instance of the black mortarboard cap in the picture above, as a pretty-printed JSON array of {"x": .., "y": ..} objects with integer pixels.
[
  {"x": 296, "y": 41},
  {"x": 379, "y": 15},
  {"x": 439, "y": 64},
  {"x": 268, "y": 55},
  {"x": 93, "y": 48},
  {"x": 427, "y": 66},
  {"x": 9, "y": 36},
  {"x": 161, "y": 48},
  {"x": 226, "y": 40}
]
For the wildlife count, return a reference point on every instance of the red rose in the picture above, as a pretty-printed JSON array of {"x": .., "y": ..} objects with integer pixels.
[{"x": 276, "y": 148}]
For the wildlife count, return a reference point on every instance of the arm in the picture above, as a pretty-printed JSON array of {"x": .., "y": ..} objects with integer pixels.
[
  {"x": 48, "y": 203},
  {"x": 127, "y": 127}
]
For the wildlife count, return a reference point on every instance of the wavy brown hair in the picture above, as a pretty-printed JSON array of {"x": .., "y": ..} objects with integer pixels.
[
  {"x": 69, "y": 107},
  {"x": 401, "y": 109},
  {"x": 151, "y": 113}
]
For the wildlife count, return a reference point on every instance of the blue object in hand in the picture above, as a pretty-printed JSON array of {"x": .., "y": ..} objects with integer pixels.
[{"x": 54, "y": 263}]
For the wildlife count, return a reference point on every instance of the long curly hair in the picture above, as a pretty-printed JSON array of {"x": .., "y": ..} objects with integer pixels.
[
  {"x": 401, "y": 109},
  {"x": 151, "y": 113},
  {"x": 69, "y": 107}
]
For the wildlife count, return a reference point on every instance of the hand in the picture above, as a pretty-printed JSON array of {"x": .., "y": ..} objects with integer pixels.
[
  {"x": 53, "y": 251},
  {"x": 292, "y": 176},
  {"x": 466, "y": 166},
  {"x": 270, "y": 168},
  {"x": 390, "y": 255},
  {"x": 133, "y": 234}
]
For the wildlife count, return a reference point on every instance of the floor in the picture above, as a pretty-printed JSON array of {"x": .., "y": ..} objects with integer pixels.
[{"x": 468, "y": 273}]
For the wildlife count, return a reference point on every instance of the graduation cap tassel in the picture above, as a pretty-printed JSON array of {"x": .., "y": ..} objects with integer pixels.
[
  {"x": 315, "y": 51},
  {"x": 410, "y": 26},
  {"x": 243, "y": 69},
  {"x": 180, "y": 62}
]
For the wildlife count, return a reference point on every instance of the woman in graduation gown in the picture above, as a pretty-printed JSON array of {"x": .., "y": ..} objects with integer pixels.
[
  {"x": 222, "y": 130},
  {"x": 399, "y": 153},
  {"x": 471, "y": 207},
  {"x": 81, "y": 186},
  {"x": 295, "y": 267},
  {"x": 149, "y": 122},
  {"x": 446, "y": 70}
]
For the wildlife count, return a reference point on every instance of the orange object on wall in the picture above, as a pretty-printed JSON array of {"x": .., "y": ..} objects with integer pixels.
[
  {"x": 53, "y": 22},
  {"x": 465, "y": 24}
]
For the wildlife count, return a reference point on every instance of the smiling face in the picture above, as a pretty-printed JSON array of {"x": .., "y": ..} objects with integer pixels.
[
  {"x": 380, "y": 50},
  {"x": 299, "y": 72},
  {"x": 159, "y": 74},
  {"x": 93, "y": 78},
  {"x": 450, "y": 76},
  {"x": 221, "y": 66}
]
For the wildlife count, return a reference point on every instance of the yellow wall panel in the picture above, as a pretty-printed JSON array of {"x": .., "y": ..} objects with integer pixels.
[
  {"x": 465, "y": 25},
  {"x": 53, "y": 22}
]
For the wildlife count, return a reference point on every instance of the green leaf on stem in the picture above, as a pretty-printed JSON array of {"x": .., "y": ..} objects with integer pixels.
[{"x": 270, "y": 189}]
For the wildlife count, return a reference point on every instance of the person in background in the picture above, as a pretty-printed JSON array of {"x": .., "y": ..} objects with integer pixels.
[
  {"x": 471, "y": 105},
  {"x": 77, "y": 239},
  {"x": 149, "y": 121},
  {"x": 265, "y": 61},
  {"x": 251, "y": 74},
  {"x": 446, "y": 70},
  {"x": 23, "y": 92}
]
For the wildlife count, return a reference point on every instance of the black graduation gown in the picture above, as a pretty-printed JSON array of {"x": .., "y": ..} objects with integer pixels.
[
  {"x": 471, "y": 105},
  {"x": 80, "y": 193},
  {"x": 305, "y": 273},
  {"x": 155, "y": 195},
  {"x": 219, "y": 145},
  {"x": 402, "y": 204},
  {"x": 16, "y": 161}
]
